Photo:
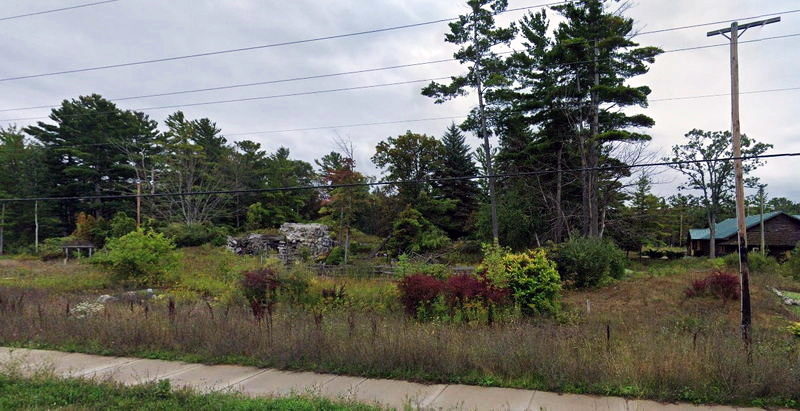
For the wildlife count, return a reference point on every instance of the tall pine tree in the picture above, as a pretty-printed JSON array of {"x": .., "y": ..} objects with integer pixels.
[{"x": 457, "y": 161}]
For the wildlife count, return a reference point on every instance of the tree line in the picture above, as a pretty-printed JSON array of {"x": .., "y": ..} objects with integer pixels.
[{"x": 561, "y": 102}]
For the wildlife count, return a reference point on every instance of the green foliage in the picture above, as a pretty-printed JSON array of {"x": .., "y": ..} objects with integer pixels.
[
  {"x": 413, "y": 233},
  {"x": 588, "y": 262},
  {"x": 121, "y": 224},
  {"x": 531, "y": 277},
  {"x": 493, "y": 264},
  {"x": 757, "y": 262},
  {"x": 336, "y": 256},
  {"x": 406, "y": 266},
  {"x": 43, "y": 392},
  {"x": 794, "y": 329},
  {"x": 191, "y": 235},
  {"x": 140, "y": 258},
  {"x": 791, "y": 267}
]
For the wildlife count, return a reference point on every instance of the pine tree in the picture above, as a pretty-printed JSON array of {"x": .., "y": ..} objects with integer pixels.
[
  {"x": 477, "y": 34},
  {"x": 457, "y": 161}
]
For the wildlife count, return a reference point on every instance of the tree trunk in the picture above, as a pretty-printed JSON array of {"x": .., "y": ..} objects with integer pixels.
[
  {"x": 486, "y": 146},
  {"x": 558, "y": 230},
  {"x": 594, "y": 152}
]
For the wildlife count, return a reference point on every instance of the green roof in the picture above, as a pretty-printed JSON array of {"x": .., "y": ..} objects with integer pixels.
[{"x": 727, "y": 228}]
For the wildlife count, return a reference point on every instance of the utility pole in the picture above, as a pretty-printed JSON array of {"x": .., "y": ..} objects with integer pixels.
[
  {"x": 2, "y": 227},
  {"x": 138, "y": 203},
  {"x": 36, "y": 223},
  {"x": 733, "y": 35},
  {"x": 762, "y": 197}
]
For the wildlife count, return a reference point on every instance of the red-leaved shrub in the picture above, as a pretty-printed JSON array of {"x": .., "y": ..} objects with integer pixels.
[
  {"x": 260, "y": 287},
  {"x": 464, "y": 287},
  {"x": 418, "y": 289},
  {"x": 719, "y": 284}
]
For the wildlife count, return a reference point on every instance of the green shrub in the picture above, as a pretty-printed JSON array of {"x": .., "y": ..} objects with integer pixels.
[
  {"x": 791, "y": 267},
  {"x": 758, "y": 263},
  {"x": 139, "y": 258},
  {"x": 192, "y": 235},
  {"x": 587, "y": 262},
  {"x": 336, "y": 256},
  {"x": 406, "y": 266},
  {"x": 413, "y": 233},
  {"x": 50, "y": 249},
  {"x": 121, "y": 224},
  {"x": 533, "y": 281}
]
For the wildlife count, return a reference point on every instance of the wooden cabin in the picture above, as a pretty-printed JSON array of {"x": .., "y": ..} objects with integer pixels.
[{"x": 781, "y": 234}]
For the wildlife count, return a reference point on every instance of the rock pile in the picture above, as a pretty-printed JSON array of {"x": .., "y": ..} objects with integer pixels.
[
  {"x": 313, "y": 240},
  {"x": 296, "y": 241}
]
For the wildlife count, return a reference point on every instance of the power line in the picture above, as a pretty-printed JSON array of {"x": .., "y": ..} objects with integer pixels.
[
  {"x": 313, "y": 92},
  {"x": 714, "y": 23},
  {"x": 251, "y": 84},
  {"x": 389, "y": 122},
  {"x": 258, "y": 47},
  {"x": 237, "y": 100},
  {"x": 774, "y": 90},
  {"x": 37, "y": 13},
  {"x": 327, "y": 75},
  {"x": 331, "y": 37},
  {"x": 395, "y": 182}
]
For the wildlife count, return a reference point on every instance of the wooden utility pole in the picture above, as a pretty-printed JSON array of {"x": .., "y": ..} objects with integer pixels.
[
  {"x": 762, "y": 197},
  {"x": 138, "y": 203},
  {"x": 733, "y": 34},
  {"x": 2, "y": 228},
  {"x": 36, "y": 224}
]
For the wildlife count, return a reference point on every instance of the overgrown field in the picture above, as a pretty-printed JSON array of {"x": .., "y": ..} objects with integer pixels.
[{"x": 639, "y": 336}]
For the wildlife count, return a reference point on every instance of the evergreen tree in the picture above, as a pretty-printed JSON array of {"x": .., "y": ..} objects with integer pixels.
[
  {"x": 572, "y": 88},
  {"x": 476, "y": 34},
  {"x": 457, "y": 162},
  {"x": 83, "y": 156}
]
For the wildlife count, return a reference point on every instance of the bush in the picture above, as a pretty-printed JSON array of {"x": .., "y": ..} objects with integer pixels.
[
  {"x": 757, "y": 262},
  {"x": 464, "y": 288},
  {"x": 533, "y": 281},
  {"x": 121, "y": 224},
  {"x": 407, "y": 266},
  {"x": 336, "y": 256},
  {"x": 413, "y": 233},
  {"x": 719, "y": 284},
  {"x": 260, "y": 288},
  {"x": 418, "y": 291},
  {"x": 587, "y": 262},
  {"x": 193, "y": 235},
  {"x": 140, "y": 258},
  {"x": 791, "y": 267}
]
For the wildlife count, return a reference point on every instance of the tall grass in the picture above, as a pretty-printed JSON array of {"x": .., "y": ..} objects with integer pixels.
[{"x": 694, "y": 357}]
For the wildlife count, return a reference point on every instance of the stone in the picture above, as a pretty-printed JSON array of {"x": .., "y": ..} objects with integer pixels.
[
  {"x": 295, "y": 241},
  {"x": 105, "y": 298}
]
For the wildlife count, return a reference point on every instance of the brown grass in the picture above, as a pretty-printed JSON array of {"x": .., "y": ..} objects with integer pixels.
[{"x": 667, "y": 350}]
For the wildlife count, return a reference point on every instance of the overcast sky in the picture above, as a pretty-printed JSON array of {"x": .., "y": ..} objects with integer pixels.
[{"x": 130, "y": 30}]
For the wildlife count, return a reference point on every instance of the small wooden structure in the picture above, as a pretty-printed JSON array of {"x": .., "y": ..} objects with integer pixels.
[
  {"x": 78, "y": 246},
  {"x": 781, "y": 234}
]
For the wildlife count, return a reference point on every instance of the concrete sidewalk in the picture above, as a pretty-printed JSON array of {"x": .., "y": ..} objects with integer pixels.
[{"x": 269, "y": 382}]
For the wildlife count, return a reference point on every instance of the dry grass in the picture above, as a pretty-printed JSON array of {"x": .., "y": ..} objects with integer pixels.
[{"x": 690, "y": 354}]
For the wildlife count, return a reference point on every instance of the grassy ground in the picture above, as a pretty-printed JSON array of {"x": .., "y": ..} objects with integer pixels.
[
  {"x": 49, "y": 393},
  {"x": 637, "y": 337}
]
